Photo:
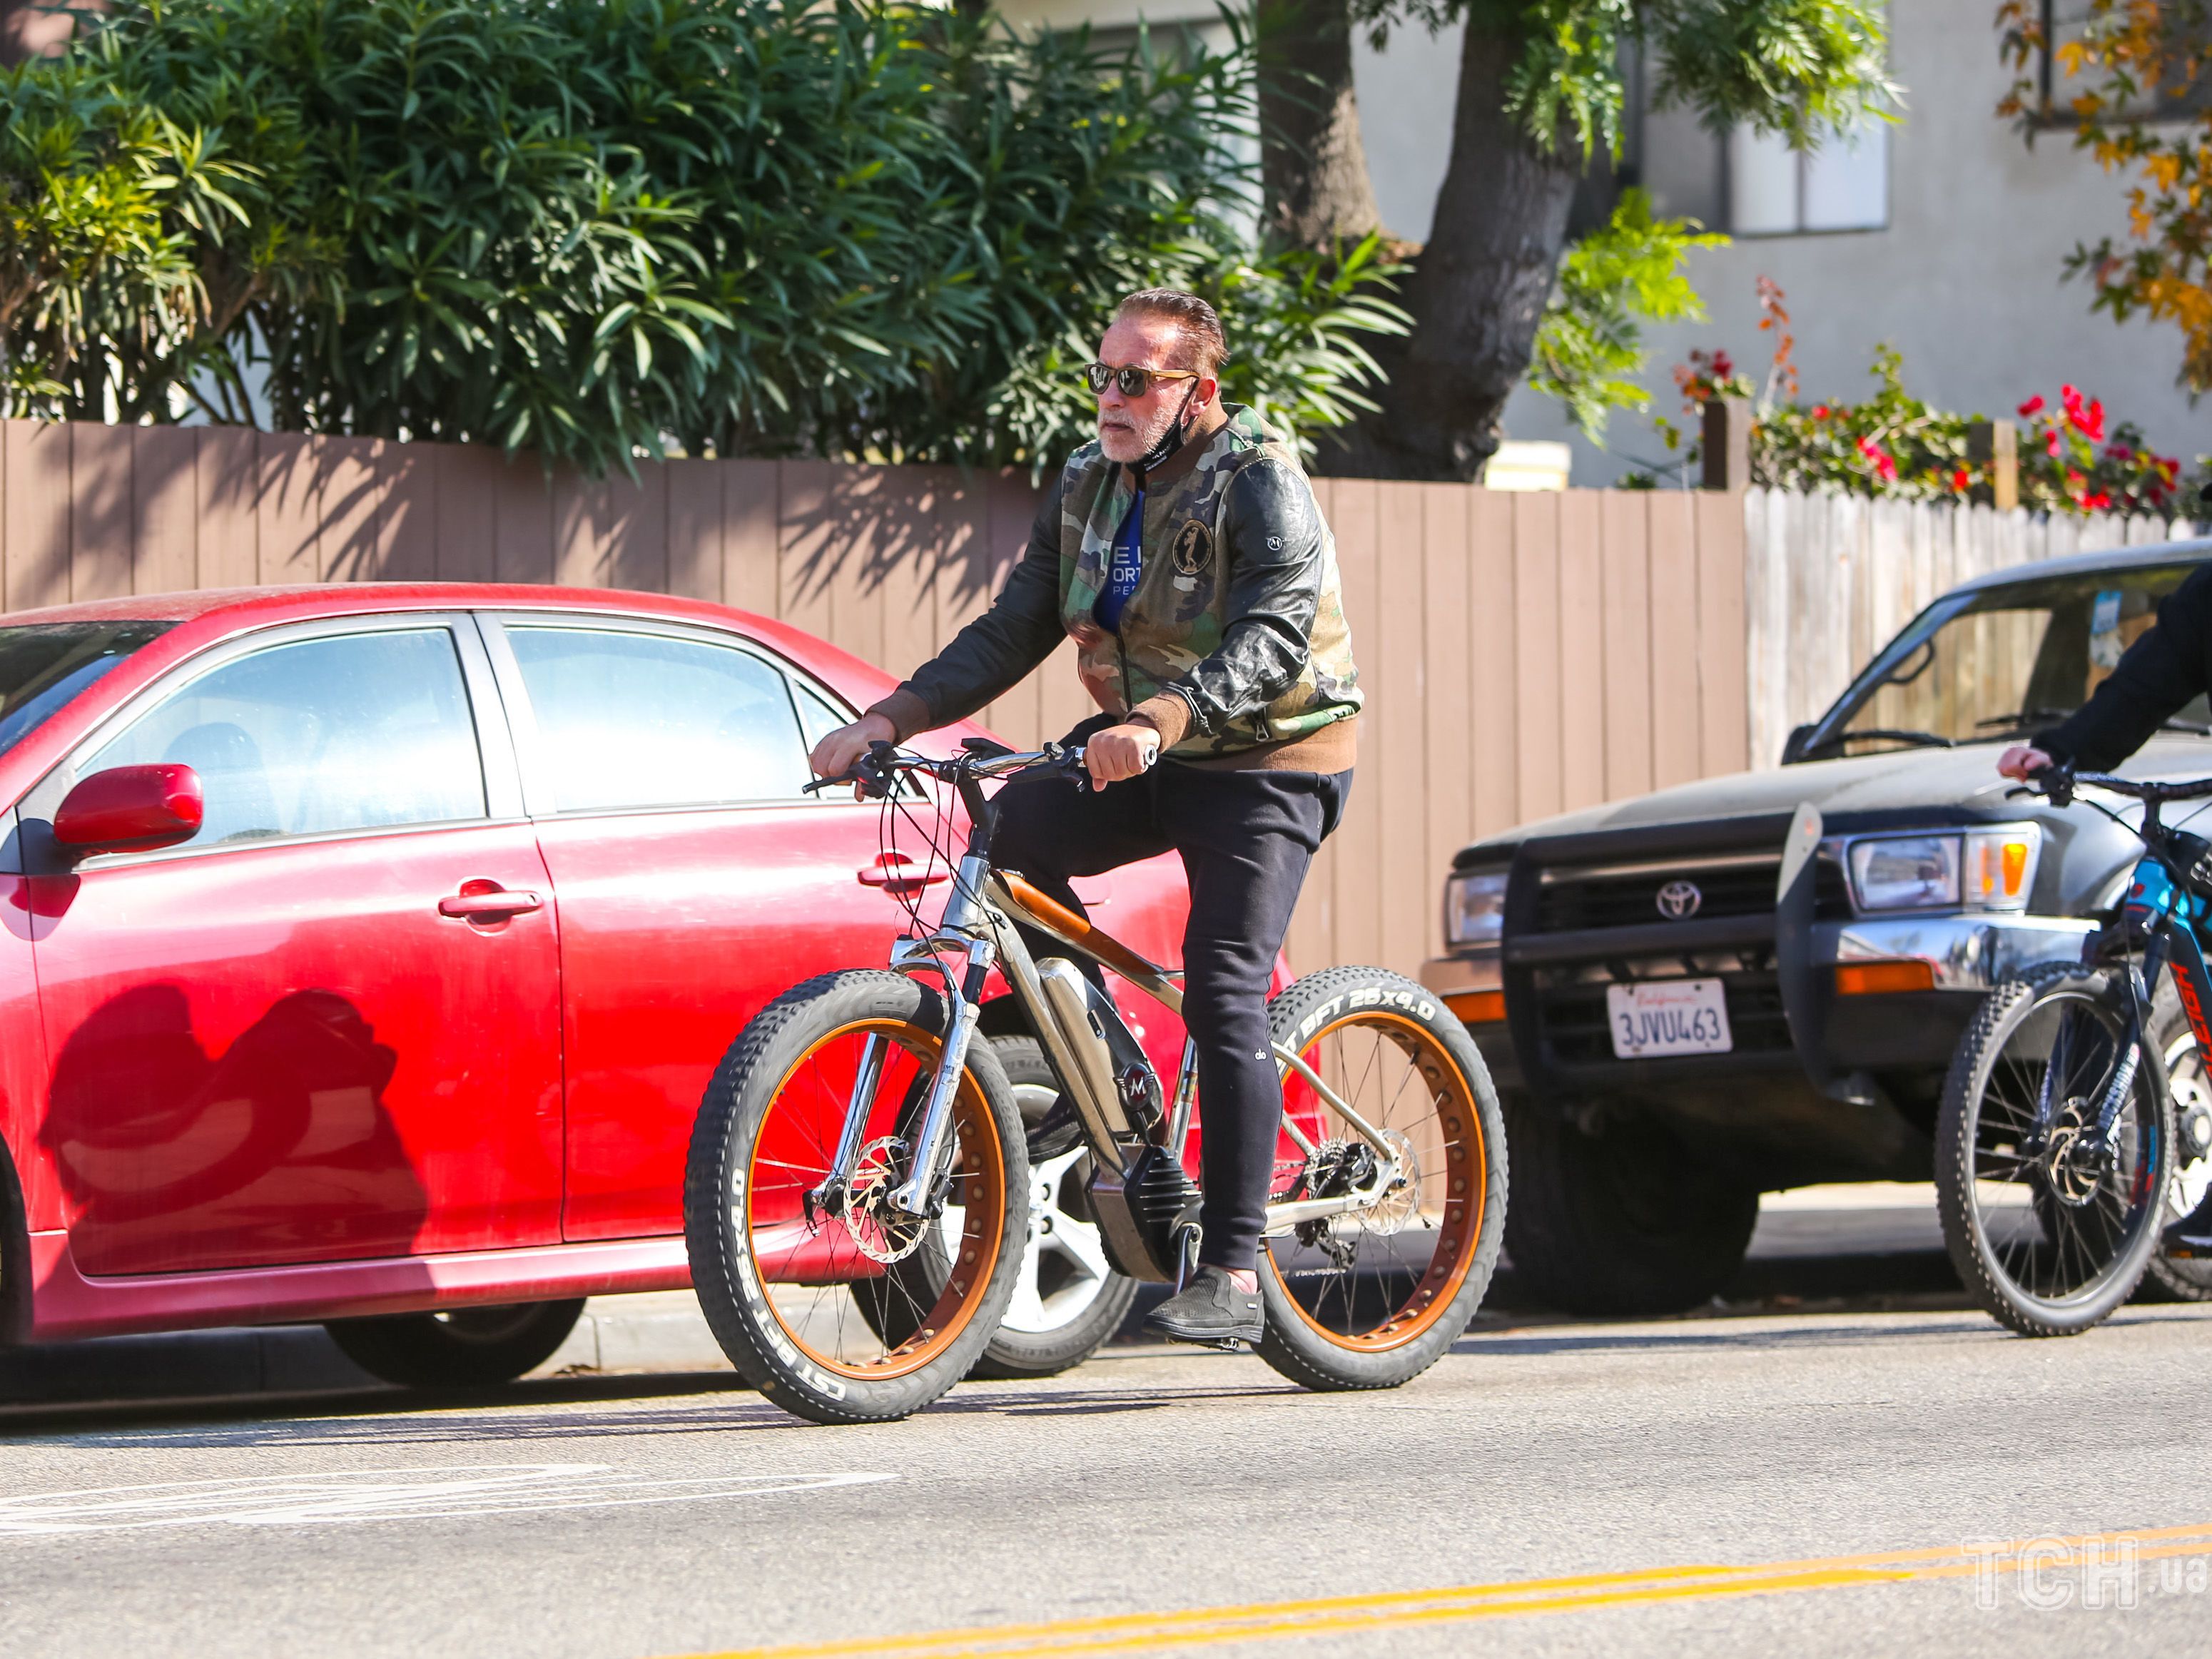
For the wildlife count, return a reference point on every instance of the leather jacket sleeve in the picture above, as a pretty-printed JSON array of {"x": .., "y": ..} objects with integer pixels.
[
  {"x": 1271, "y": 529},
  {"x": 2161, "y": 671},
  {"x": 990, "y": 656}
]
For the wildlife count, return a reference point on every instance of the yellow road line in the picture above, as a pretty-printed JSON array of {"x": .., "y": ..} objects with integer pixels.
[{"x": 1279, "y": 1620}]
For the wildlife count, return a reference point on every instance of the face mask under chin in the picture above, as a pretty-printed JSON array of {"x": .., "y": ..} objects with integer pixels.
[{"x": 1174, "y": 438}]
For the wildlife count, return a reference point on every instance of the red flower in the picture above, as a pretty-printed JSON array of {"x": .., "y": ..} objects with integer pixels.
[
  {"x": 2099, "y": 502},
  {"x": 1819, "y": 411},
  {"x": 1724, "y": 365},
  {"x": 2075, "y": 480},
  {"x": 2051, "y": 442},
  {"x": 1959, "y": 481},
  {"x": 2033, "y": 406},
  {"x": 2089, "y": 422},
  {"x": 2120, "y": 452},
  {"x": 1884, "y": 466},
  {"x": 2070, "y": 397}
]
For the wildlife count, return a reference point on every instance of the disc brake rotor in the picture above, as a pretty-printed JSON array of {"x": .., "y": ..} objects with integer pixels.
[
  {"x": 880, "y": 1232},
  {"x": 1395, "y": 1205},
  {"x": 2073, "y": 1169}
]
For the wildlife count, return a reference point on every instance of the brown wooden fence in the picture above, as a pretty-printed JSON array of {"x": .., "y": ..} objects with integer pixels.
[{"x": 1524, "y": 654}]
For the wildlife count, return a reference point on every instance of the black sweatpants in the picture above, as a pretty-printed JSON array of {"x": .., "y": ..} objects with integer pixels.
[{"x": 1246, "y": 839}]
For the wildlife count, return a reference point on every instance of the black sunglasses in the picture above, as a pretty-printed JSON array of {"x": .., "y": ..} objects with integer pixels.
[{"x": 1134, "y": 381}]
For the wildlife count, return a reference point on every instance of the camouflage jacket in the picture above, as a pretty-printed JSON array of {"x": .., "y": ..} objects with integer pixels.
[{"x": 1237, "y": 615}]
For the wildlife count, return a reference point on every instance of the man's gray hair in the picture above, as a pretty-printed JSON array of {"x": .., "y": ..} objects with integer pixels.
[{"x": 1197, "y": 322}]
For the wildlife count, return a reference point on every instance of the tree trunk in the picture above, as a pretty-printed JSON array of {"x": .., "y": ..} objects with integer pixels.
[
  {"x": 1478, "y": 289},
  {"x": 1313, "y": 168}
]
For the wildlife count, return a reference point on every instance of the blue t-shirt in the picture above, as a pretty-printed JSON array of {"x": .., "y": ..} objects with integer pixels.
[{"x": 1124, "y": 569}]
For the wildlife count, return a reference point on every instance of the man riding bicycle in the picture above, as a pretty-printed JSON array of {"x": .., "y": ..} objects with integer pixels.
[
  {"x": 2159, "y": 674},
  {"x": 1184, "y": 552}
]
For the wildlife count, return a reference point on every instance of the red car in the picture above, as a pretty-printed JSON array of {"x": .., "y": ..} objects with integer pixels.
[{"x": 369, "y": 949}]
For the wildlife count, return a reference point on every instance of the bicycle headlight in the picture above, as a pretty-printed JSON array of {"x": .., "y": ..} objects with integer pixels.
[
  {"x": 1972, "y": 869},
  {"x": 1474, "y": 909}
]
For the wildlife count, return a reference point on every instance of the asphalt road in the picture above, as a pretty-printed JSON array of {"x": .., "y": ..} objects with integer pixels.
[{"x": 1809, "y": 1482}]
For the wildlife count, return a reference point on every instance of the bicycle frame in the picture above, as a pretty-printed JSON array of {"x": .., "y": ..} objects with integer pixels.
[{"x": 978, "y": 931}]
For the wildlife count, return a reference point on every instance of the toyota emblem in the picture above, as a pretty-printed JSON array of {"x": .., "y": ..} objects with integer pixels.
[{"x": 1679, "y": 900}]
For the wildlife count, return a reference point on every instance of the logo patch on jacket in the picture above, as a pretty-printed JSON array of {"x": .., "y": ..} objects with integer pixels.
[{"x": 1194, "y": 548}]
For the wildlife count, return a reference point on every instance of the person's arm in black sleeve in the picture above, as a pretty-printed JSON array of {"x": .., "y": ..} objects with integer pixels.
[
  {"x": 1271, "y": 527},
  {"x": 2161, "y": 672},
  {"x": 991, "y": 654}
]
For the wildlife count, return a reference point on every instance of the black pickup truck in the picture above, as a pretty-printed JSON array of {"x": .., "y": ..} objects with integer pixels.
[{"x": 1756, "y": 982}]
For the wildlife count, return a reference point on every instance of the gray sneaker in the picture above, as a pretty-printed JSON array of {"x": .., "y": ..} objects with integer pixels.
[{"x": 1210, "y": 1309}]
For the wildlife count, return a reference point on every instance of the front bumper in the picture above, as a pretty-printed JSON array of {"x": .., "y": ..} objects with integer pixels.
[
  {"x": 1827, "y": 1083},
  {"x": 1965, "y": 952}
]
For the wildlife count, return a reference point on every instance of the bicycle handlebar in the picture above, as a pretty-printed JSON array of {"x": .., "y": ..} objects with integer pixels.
[
  {"x": 2058, "y": 784},
  {"x": 875, "y": 770}
]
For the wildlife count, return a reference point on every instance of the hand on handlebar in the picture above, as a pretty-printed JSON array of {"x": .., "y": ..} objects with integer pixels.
[
  {"x": 2022, "y": 761},
  {"x": 840, "y": 750},
  {"x": 1119, "y": 752}
]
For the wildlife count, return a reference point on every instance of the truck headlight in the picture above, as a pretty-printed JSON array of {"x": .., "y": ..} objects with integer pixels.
[
  {"x": 1475, "y": 908},
  {"x": 1972, "y": 869}
]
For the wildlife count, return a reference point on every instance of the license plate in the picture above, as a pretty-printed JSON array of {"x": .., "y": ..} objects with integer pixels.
[{"x": 1674, "y": 1017}]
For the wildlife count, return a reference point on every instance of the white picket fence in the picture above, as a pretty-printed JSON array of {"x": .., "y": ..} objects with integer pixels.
[{"x": 1830, "y": 578}]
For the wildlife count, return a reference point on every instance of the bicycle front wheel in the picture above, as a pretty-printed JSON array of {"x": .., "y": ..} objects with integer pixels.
[
  {"x": 2049, "y": 1224},
  {"x": 836, "y": 1305},
  {"x": 1371, "y": 1297}
]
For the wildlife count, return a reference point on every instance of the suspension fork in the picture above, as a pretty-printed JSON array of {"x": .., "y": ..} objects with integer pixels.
[
  {"x": 830, "y": 1196},
  {"x": 2130, "y": 1059},
  {"x": 918, "y": 1195}
]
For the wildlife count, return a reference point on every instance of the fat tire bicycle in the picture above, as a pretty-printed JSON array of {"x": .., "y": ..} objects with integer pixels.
[
  {"x": 2055, "y": 1148},
  {"x": 856, "y": 1190}
]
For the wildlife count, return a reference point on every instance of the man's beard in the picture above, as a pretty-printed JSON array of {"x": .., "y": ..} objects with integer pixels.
[{"x": 1128, "y": 446}]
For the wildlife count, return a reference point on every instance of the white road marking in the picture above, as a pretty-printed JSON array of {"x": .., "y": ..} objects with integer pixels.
[{"x": 343, "y": 1496}]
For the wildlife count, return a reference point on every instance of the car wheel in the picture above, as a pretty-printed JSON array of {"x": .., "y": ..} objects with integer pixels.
[
  {"x": 1628, "y": 1222},
  {"x": 2170, "y": 1280},
  {"x": 1069, "y": 1300},
  {"x": 464, "y": 1348}
]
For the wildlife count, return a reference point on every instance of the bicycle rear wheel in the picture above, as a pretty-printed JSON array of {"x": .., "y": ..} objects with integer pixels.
[
  {"x": 1372, "y": 1297},
  {"x": 848, "y": 1311},
  {"x": 2049, "y": 1231}
]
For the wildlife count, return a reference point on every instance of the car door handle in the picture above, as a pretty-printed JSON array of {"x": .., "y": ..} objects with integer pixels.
[
  {"x": 497, "y": 902},
  {"x": 896, "y": 871}
]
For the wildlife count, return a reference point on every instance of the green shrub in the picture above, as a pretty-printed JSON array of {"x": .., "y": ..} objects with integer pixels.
[{"x": 602, "y": 228}]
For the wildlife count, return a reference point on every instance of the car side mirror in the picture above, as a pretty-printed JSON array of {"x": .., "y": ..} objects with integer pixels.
[
  {"x": 131, "y": 808},
  {"x": 1793, "y": 746}
]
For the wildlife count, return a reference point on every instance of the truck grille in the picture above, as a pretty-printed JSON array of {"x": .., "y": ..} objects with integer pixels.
[
  {"x": 1574, "y": 897},
  {"x": 1598, "y": 915},
  {"x": 1627, "y": 895}
]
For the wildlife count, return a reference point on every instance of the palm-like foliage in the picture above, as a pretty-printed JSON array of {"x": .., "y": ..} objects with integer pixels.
[{"x": 602, "y": 228}]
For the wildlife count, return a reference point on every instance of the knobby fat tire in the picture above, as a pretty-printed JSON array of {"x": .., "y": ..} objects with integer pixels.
[
  {"x": 737, "y": 1103},
  {"x": 1292, "y": 1346},
  {"x": 2001, "y": 1014}
]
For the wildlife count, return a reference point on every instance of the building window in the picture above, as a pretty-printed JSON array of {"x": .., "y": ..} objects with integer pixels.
[
  {"x": 2066, "y": 21},
  {"x": 1774, "y": 191}
]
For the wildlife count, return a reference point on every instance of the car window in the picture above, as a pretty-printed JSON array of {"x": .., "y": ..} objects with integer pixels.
[
  {"x": 629, "y": 719},
  {"x": 816, "y": 716},
  {"x": 2002, "y": 662},
  {"x": 351, "y": 731},
  {"x": 44, "y": 665}
]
